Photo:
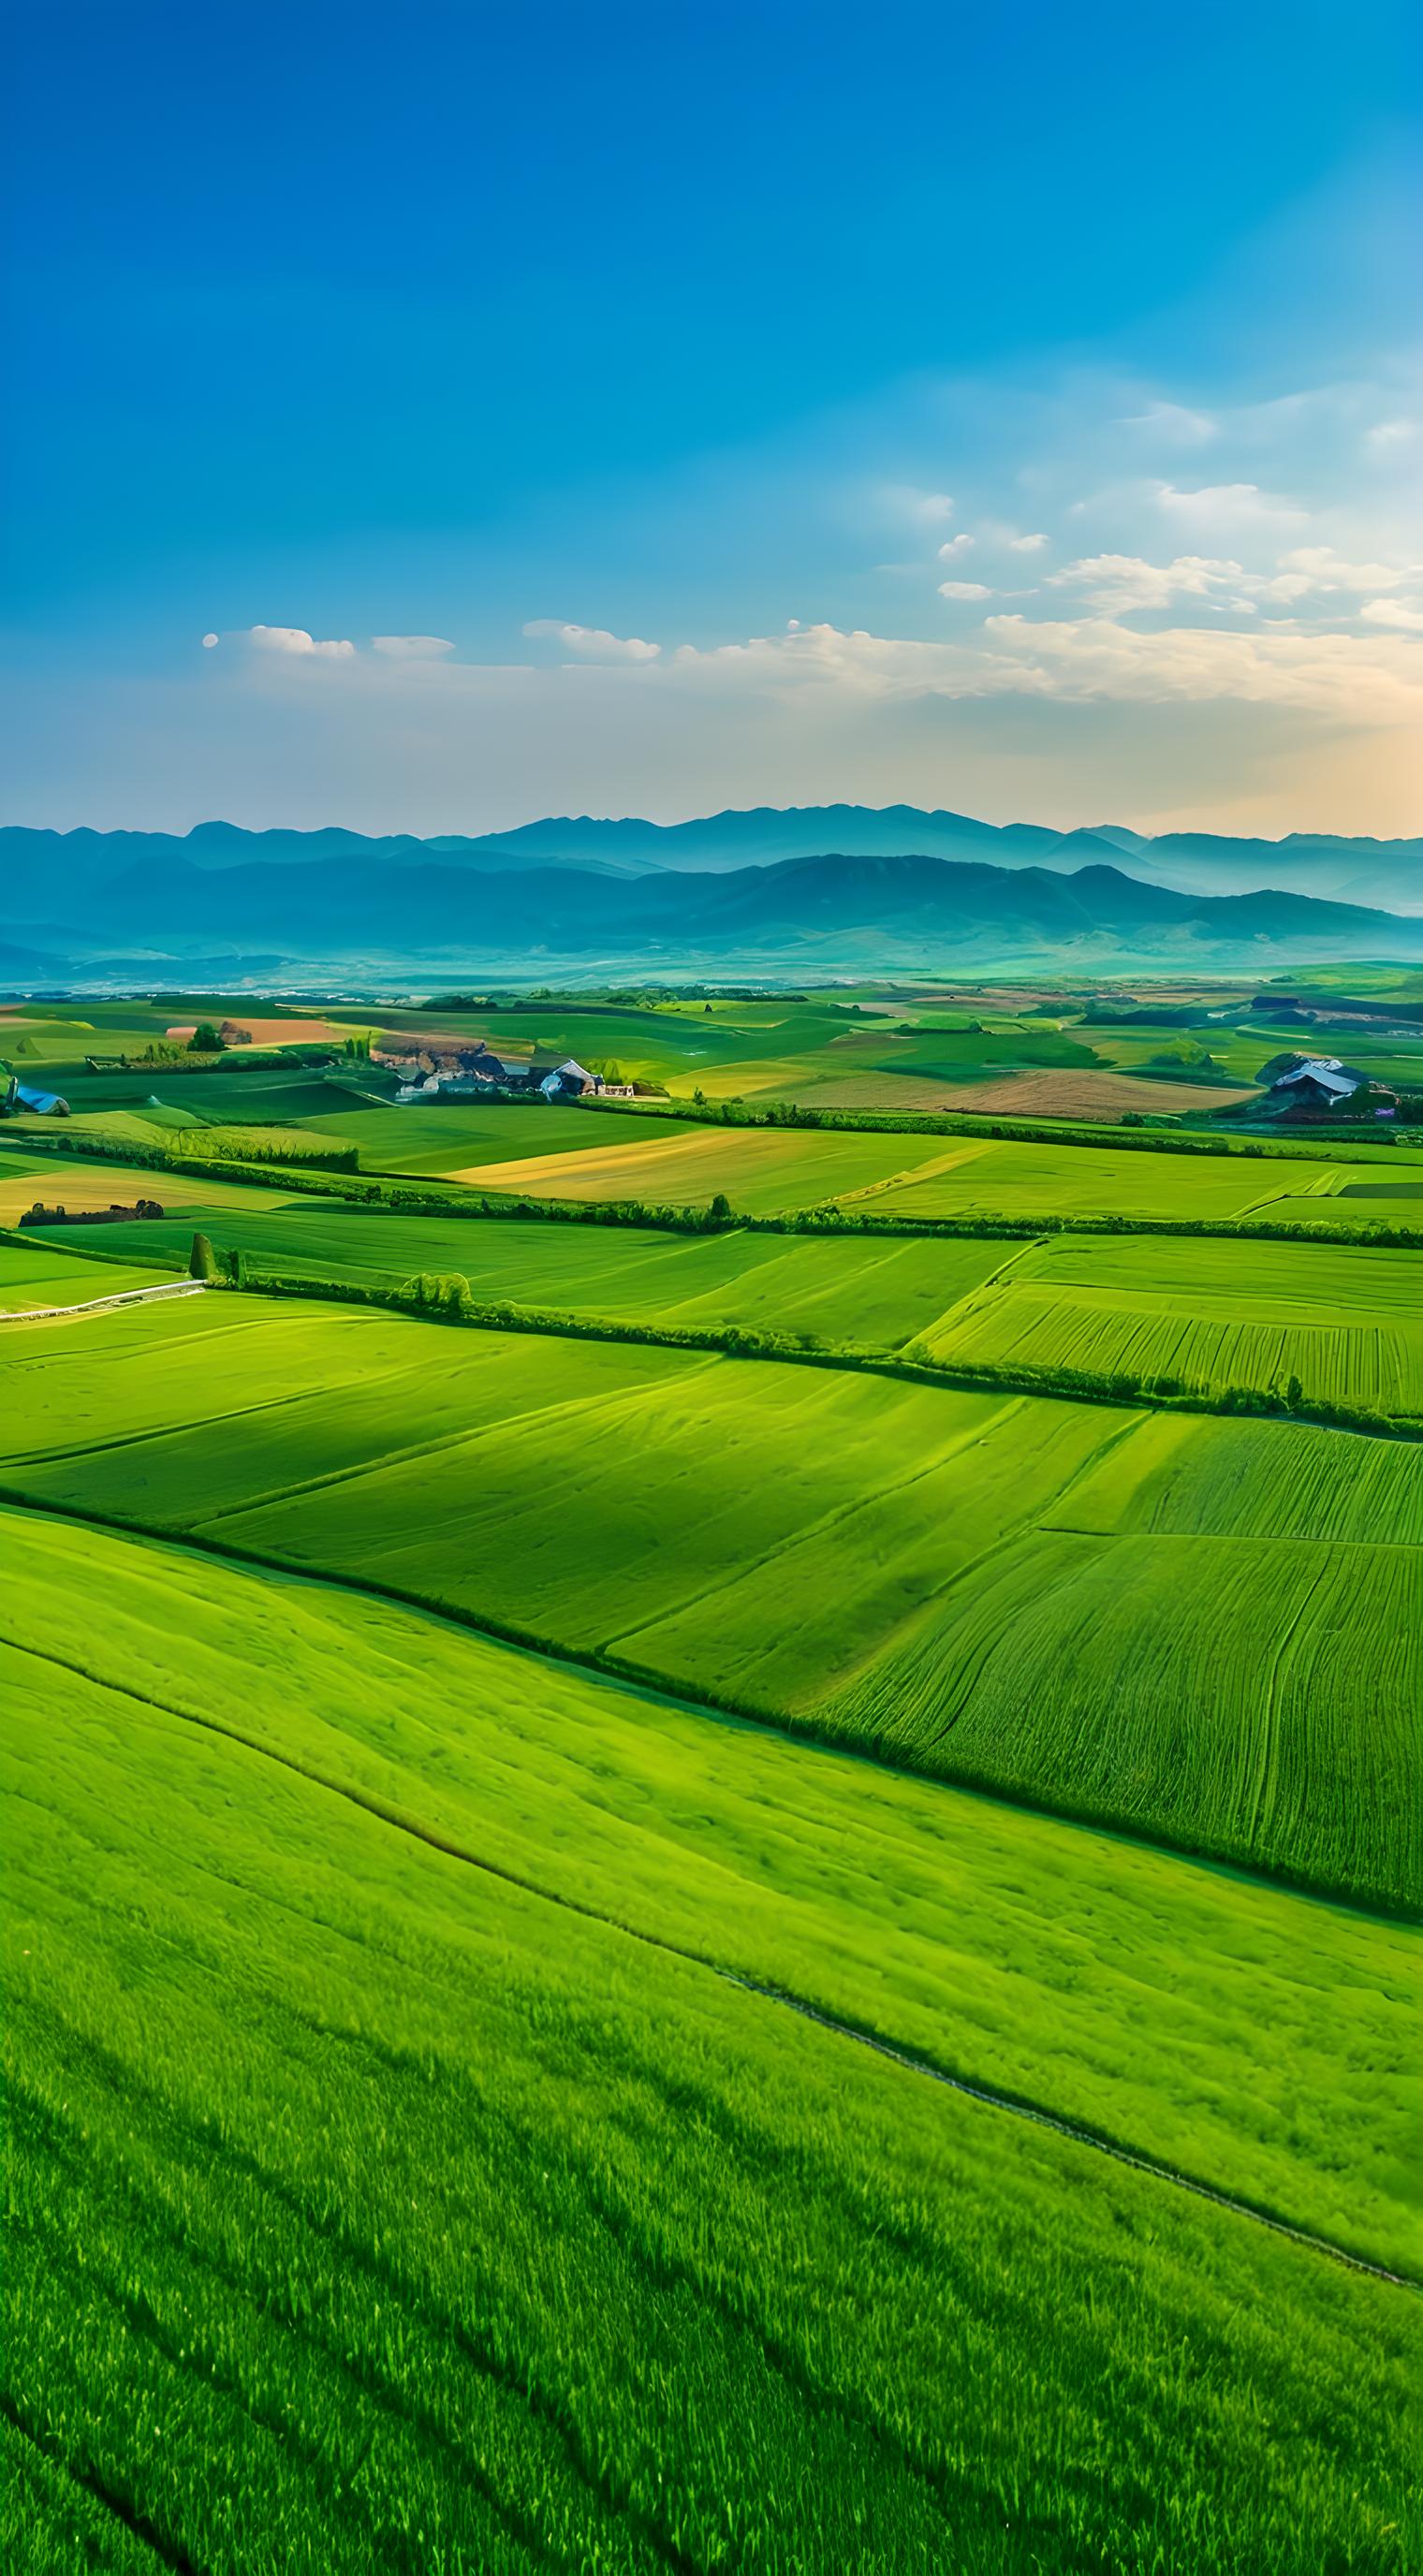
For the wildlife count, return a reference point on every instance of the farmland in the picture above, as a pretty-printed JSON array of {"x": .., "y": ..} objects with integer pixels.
[
  {"x": 593, "y": 1915},
  {"x": 1003, "y": 1589},
  {"x": 416, "y": 2169}
]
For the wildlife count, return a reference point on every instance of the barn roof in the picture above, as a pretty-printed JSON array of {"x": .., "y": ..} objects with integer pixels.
[{"x": 1325, "y": 1072}]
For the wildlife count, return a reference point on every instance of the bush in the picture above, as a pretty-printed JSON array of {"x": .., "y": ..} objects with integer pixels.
[{"x": 202, "y": 1260}]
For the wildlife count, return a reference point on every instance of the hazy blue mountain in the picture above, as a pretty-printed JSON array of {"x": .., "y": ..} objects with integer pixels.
[
  {"x": 838, "y": 912},
  {"x": 1384, "y": 874}
]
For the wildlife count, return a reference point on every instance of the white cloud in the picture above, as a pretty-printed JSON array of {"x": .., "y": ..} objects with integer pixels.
[
  {"x": 1394, "y": 612},
  {"x": 1350, "y": 678},
  {"x": 1118, "y": 582},
  {"x": 593, "y": 643},
  {"x": 1028, "y": 545},
  {"x": 964, "y": 590},
  {"x": 411, "y": 648},
  {"x": 1324, "y": 570},
  {"x": 1365, "y": 681},
  {"x": 1227, "y": 509},
  {"x": 1387, "y": 434},
  {"x": 956, "y": 546},
  {"x": 295, "y": 639}
]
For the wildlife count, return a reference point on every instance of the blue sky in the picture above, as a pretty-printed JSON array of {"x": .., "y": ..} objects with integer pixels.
[{"x": 654, "y": 408}]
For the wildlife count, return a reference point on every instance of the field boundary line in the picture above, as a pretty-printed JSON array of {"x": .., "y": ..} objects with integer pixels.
[{"x": 914, "y": 2062}]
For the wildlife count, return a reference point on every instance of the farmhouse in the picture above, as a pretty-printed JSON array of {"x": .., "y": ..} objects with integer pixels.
[
  {"x": 433, "y": 1067},
  {"x": 1313, "y": 1083},
  {"x": 570, "y": 1081}
]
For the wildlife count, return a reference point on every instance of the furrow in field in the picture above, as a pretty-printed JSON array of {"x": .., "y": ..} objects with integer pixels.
[{"x": 450, "y": 1847}]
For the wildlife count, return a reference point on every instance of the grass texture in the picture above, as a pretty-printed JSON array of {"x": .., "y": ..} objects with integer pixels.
[{"x": 369, "y": 2211}]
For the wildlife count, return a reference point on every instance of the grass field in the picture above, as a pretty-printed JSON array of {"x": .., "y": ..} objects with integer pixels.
[
  {"x": 32, "y": 1274},
  {"x": 371, "y": 2211},
  {"x": 1206, "y": 1315},
  {"x": 879, "y": 1294},
  {"x": 67, "y": 1180},
  {"x": 1061, "y": 1601},
  {"x": 516, "y": 1842}
]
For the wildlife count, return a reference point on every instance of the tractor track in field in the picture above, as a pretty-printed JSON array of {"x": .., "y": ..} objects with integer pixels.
[
  {"x": 102, "y": 1305},
  {"x": 911, "y": 2061}
]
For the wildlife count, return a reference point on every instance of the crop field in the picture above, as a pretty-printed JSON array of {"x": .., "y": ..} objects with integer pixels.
[
  {"x": 599, "y": 1932},
  {"x": 32, "y": 1274},
  {"x": 1204, "y": 1315},
  {"x": 1056, "y": 1600},
  {"x": 762, "y": 1171},
  {"x": 382, "y": 2212},
  {"x": 878, "y": 1294},
  {"x": 979, "y": 1177},
  {"x": 66, "y": 1180}
]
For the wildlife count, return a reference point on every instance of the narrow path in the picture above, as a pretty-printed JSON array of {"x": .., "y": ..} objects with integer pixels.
[
  {"x": 100, "y": 1305},
  {"x": 992, "y": 2097}
]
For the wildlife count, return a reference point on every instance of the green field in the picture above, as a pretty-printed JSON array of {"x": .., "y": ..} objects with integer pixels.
[
  {"x": 33, "y": 1274},
  {"x": 1203, "y": 1315},
  {"x": 624, "y": 1957},
  {"x": 1057, "y": 1600},
  {"x": 370, "y": 2210}
]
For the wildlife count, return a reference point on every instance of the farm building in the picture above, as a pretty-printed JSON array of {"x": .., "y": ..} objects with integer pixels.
[
  {"x": 432, "y": 1066},
  {"x": 570, "y": 1081},
  {"x": 35, "y": 1104},
  {"x": 1314, "y": 1083}
]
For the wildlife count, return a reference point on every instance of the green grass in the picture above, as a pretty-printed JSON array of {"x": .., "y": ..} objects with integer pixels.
[
  {"x": 763, "y": 1171},
  {"x": 1202, "y": 1629},
  {"x": 878, "y": 1293},
  {"x": 34, "y": 1274},
  {"x": 1207, "y": 1315},
  {"x": 370, "y": 2212}
]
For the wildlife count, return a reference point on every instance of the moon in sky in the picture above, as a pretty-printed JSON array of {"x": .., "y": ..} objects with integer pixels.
[{"x": 208, "y": 643}]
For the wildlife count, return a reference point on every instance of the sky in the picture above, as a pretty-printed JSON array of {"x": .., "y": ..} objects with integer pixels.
[{"x": 429, "y": 418}]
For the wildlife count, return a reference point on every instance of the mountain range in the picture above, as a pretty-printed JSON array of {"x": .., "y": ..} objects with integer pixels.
[
  {"x": 600, "y": 903},
  {"x": 1379, "y": 874}
]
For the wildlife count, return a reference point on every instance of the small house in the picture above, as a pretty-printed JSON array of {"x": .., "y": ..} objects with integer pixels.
[
  {"x": 570, "y": 1081},
  {"x": 1315, "y": 1083}
]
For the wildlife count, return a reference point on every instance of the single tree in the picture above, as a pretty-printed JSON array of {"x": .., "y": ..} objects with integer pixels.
[{"x": 202, "y": 1260}]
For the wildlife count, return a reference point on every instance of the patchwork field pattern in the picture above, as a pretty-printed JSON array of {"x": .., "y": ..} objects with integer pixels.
[{"x": 1058, "y": 1600}]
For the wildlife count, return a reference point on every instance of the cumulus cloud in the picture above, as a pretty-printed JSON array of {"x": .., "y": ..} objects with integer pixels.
[
  {"x": 411, "y": 648},
  {"x": 958, "y": 545},
  {"x": 964, "y": 590},
  {"x": 1347, "y": 677},
  {"x": 1362, "y": 680},
  {"x": 1322, "y": 569},
  {"x": 1030, "y": 544},
  {"x": 1122, "y": 582},
  {"x": 592, "y": 643},
  {"x": 1394, "y": 612},
  {"x": 295, "y": 640}
]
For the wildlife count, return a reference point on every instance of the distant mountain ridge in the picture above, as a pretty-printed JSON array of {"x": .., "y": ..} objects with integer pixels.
[
  {"x": 1380, "y": 874},
  {"x": 831, "y": 913}
]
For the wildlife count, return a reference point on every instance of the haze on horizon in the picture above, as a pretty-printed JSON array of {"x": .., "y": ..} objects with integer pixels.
[{"x": 634, "y": 415}]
